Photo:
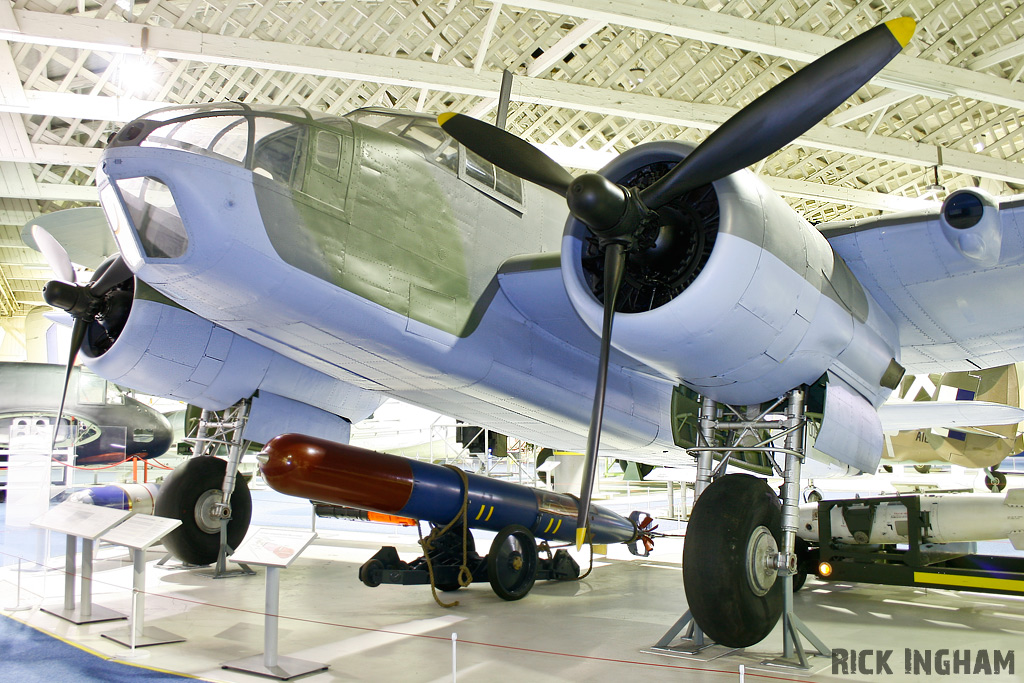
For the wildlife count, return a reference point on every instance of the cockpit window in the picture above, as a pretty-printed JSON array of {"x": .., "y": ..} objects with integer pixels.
[
  {"x": 492, "y": 180},
  {"x": 278, "y": 149},
  {"x": 328, "y": 150},
  {"x": 226, "y": 137}
]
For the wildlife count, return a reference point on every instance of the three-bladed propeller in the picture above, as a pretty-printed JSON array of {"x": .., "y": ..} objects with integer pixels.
[
  {"x": 96, "y": 302},
  {"x": 617, "y": 215}
]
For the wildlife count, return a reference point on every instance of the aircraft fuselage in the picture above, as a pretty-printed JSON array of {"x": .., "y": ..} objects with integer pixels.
[{"x": 378, "y": 271}]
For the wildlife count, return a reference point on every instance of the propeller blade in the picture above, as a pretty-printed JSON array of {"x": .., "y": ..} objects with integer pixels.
[
  {"x": 614, "y": 269},
  {"x": 77, "y": 339},
  {"x": 55, "y": 254},
  {"x": 114, "y": 274},
  {"x": 506, "y": 151},
  {"x": 785, "y": 112}
]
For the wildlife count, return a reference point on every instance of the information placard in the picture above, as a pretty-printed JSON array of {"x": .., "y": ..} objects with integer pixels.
[
  {"x": 81, "y": 520},
  {"x": 140, "y": 531},
  {"x": 273, "y": 547}
]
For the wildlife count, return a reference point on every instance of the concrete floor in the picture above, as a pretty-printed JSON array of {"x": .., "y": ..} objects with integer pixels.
[{"x": 592, "y": 630}]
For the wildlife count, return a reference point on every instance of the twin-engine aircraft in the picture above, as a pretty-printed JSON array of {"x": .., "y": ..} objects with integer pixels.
[{"x": 317, "y": 265}]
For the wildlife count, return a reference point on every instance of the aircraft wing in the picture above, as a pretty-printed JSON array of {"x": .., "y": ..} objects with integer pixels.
[
  {"x": 83, "y": 232},
  {"x": 953, "y": 293},
  {"x": 959, "y": 414}
]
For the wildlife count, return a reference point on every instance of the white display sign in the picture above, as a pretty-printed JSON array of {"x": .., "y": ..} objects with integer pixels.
[
  {"x": 273, "y": 547},
  {"x": 140, "y": 531},
  {"x": 79, "y": 519}
]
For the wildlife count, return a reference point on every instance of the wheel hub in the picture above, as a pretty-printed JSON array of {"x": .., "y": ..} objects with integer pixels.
[
  {"x": 207, "y": 518},
  {"x": 516, "y": 561},
  {"x": 761, "y": 551}
]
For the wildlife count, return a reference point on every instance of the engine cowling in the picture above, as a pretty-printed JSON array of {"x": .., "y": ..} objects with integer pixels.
[
  {"x": 165, "y": 350},
  {"x": 970, "y": 221},
  {"x": 737, "y": 297}
]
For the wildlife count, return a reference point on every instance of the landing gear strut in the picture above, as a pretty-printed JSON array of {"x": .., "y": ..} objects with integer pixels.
[
  {"x": 207, "y": 495},
  {"x": 740, "y": 557}
]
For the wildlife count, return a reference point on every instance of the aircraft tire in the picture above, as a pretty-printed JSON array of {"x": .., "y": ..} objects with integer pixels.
[
  {"x": 512, "y": 562},
  {"x": 738, "y": 517},
  {"x": 995, "y": 480},
  {"x": 187, "y": 494}
]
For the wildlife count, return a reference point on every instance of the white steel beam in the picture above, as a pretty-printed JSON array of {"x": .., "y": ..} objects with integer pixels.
[
  {"x": 907, "y": 73},
  {"x": 111, "y": 36},
  {"x": 662, "y": 16},
  {"x": 1002, "y": 54}
]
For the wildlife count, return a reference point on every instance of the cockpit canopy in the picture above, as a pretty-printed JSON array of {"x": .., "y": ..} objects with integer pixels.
[{"x": 266, "y": 138}]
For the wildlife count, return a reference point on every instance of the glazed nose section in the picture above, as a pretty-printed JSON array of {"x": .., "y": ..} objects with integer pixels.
[{"x": 150, "y": 210}]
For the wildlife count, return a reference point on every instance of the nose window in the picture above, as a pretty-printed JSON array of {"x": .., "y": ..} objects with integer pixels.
[{"x": 152, "y": 211}]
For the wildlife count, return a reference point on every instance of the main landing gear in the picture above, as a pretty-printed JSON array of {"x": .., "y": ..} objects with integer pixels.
[
  {"x": 740, "y": 560},
  {"x": 207, "y": 495}
]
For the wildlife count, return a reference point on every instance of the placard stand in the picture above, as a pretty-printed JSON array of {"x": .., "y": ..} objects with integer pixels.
[
  {"x": 274, "y": 549},
  {"x": 138, "y": 533},
  {"x": 88, "y": 522}
]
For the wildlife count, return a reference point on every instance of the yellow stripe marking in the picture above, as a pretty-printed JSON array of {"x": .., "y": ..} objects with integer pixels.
[
  {"x": 550, "y": 522},
  {"x": 443, "y": 118},
  {"x": 480, "y": 514},
  {"x": 902, "y": 29},
  {"x": 556, "y": 527},
  {"x": 488, "y": 517},
  {"x": 1014, "y": 585}
]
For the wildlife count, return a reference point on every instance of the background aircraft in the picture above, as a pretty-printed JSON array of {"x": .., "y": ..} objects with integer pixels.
[
  {"x": 974, "y": 442},
  {"x": 110, "y": 425},
  {"x": 316, "y": 264}
]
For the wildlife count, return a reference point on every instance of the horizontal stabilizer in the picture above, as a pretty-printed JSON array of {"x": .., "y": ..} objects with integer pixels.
[
  {"x": 1017, "y": 539},
  {"x": 934, "y": 414}
]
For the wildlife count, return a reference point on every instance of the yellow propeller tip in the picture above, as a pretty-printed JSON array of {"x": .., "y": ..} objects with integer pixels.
[
  {"x": 902, "y": 29},
  {"x": 581, "y": 537},
  {"x": 443, "y": 118}
]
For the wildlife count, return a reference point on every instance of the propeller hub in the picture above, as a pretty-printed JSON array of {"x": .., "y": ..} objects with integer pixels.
[
  {"x": 68, "y": 297},
  {"x": 600, "y": 204}
]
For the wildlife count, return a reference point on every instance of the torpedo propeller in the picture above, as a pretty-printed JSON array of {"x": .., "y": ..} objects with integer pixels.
[
  {"x": 104, "y": 301},
  {"x": 618, "y": 216}
]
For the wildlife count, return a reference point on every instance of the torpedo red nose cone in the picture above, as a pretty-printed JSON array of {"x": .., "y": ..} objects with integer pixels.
[{"x": 317, "y": 469}]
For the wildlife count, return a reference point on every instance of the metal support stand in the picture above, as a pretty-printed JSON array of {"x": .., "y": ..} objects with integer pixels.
[
  {"x": 86, "y": 613},
  {"x": 692, "y": 640},
  {"x": 136, "y": 634},
  {"x": 269, "y": 663},
  {"x": 793, "y": 654},
  {"x": 215, "y": 431}
]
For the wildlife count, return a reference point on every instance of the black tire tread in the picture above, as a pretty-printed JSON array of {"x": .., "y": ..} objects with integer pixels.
[
  {"x": 714, "y": 560},
  {"x": 177, "y": 500}
]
